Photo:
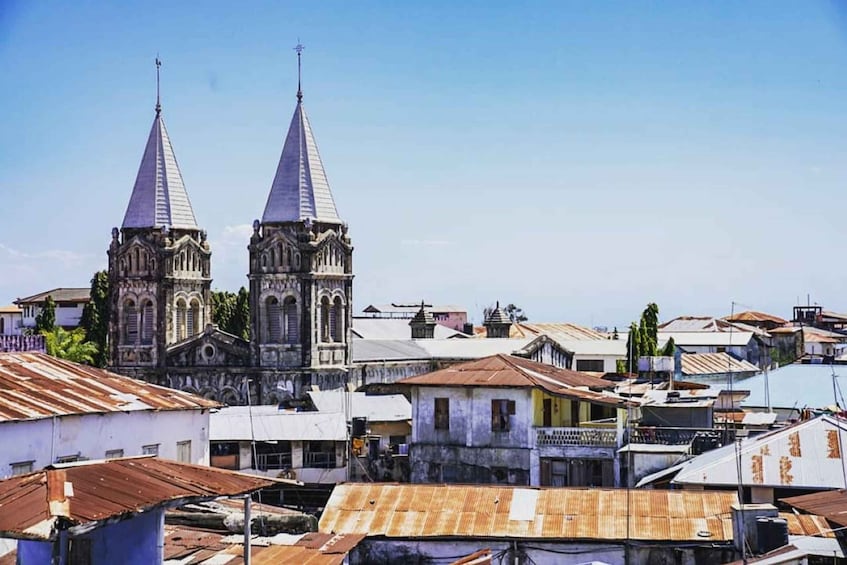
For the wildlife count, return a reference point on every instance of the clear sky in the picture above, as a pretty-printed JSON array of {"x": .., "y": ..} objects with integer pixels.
[{"x": 577, "y": 158}]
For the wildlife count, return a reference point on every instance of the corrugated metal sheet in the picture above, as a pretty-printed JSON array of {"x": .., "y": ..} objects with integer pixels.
[
  {"x": 32, "y": 504},
  {"x": 706, "y": 339},
  {"x": 562, "y": 331},
  {"x": 267, "y": 423},
  {"x": 36, "y": 385},
  {"x": 396, "y": 328},
  {"x": 699, "y": 364},
  {"x": 830, "y": 504},
  {"x": 510, "y": 371},
  {"x": 59, "y": 295},
  {"x": 806, "y": 455},
  {"x": 376, "y": 408},
  {"x": 754, "y": 316},
  {"x": 486, "y": 512}
]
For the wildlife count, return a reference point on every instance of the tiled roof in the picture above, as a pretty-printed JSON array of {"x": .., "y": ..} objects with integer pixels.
[
  {"x": 510, "y": 371},
  {"x": 89, "y": 492},
  {"x": 448, "y": 511},
  {"x": 36, "y": 385},
  {"x": 59, "y": 295},
  {"x": 300, "y": 189},
  {"x": 159, "y": 197}
]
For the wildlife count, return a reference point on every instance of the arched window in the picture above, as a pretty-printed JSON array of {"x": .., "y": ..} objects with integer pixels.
[
  {"x": 336, "y": 320},
  {"x": 147, "y": 323},
  {"x": 130, "y": 323},
  {"x": 181, "y": 320},
  {"x": 325, "y": 323},
  {"x": 273, "y": 320},
  {"x": 194, "y": 318},
  {"x": 290, "y": 320}
]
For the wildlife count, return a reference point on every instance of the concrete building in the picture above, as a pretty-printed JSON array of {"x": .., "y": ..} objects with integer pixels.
[
  {"x": 11, "y": 320},
  {"x": 504, "y": 419},
  {"x": 85, "y": 513},
  {"x": 310, "y": 447},
  {"x": 69, "y": 305},
  {"x": 300, "y": 282},
  {"x": 55, "y": 411}
]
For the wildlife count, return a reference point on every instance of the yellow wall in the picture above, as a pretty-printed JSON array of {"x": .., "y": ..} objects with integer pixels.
[{"x": 561, "y": 416}]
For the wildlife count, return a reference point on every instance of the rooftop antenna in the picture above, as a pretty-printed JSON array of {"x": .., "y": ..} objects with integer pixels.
[
  {"x": 299, "y": 48},
  {"x": 158, "y": 98}
]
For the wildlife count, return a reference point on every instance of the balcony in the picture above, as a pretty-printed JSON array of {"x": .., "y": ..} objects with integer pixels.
[
  {"x": 273, "y": 461},
  {"x": 700, "y": 439},
  {"x": 580, "y": 437},
  {"x": 319, "y": 460}
]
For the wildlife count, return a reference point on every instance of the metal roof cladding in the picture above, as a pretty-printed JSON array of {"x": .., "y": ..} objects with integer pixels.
[
  {"x": 416, "y": 511},
  {"x": 714, "y": 364},
  {"x": 829, "y": 504},
  {"x": 510, "y": 371},
  {"x": 36, "y": 385},
  {"x": 37, "y": 505}
]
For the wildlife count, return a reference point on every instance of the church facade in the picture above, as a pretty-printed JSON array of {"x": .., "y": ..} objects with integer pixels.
[{"x": 300, "y": 282}]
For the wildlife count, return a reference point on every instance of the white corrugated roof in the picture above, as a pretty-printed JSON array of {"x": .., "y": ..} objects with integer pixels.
[
  {"x": 717, "y": 339},
  {"x": 395, "y": 328},
  {"x": 806, "y": 455},
  {"x": 608, "y": 347},
  {"x": 365, "y": 350},
  {"x": 159, "y": 197},
  {"x": 376, "y": 408},
  {"x": 268, "y": 423},
  {"x": 300, "y": 189}
]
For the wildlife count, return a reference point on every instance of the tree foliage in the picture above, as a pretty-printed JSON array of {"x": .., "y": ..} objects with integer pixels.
[
  {"x": 515, "y": 313},
  {"x": 643, "y": 339},
  {"x": 231, "y": 312},
  {"x": 70, "y": 345},
  {"x": 45, "y": 321},
  {"x": 95, "y": 317}
]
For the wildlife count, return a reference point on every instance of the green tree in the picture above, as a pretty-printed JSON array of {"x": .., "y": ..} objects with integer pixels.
[
  {"x": 95, "y": 317},
  {"x": 669, "y": 349},
  {"x": 241, "y": 315},
  {"x": 643, "y": 339},
  {"x": 515, "y": 313},
  {"x": 70, "y": 345},
  {"x": 45, "y": 321}
]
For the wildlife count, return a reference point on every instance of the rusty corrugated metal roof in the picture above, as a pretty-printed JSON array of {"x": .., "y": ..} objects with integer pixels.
[
  {"x": 831, "y": 504},
  {"x": 59, "y": 295},
  {"x": 35, "y": 385},
  {"x": 755, "y": 316},
  {"x": 32, "y": 506},
  {"x": 694, "y": 364},
  {"x": 414, "y": 511},
  {"x": 561, "y": 331},
  {"x": 509, "y": 371}
]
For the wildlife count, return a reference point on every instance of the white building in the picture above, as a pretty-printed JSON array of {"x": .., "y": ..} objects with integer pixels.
[
  {"x": 11, "y": 320},
  {"x": 55, "y": 411},
  {"x": 307, "y": 446},
  {"x": 69, "y": 305}
]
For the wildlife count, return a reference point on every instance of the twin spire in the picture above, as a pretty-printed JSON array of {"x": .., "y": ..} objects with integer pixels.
[{"x": 299, "y": 192}]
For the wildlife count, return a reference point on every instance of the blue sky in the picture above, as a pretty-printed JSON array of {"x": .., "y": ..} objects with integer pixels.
[{"x": 577, "y": 158}]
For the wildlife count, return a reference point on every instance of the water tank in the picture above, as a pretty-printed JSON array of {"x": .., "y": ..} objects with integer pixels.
[
  {"x": 771, "y": 533},
  {"x": 359, "y": 427}
]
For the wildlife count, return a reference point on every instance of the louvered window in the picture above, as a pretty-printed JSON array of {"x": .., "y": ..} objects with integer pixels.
[
  {"x": 336, "y": 321},
  {"x": 130, "y": 323},
  {"x": 325, "y": 323},
  {"x": 181, "y": 315},
  {"x": 194, "y": 319},
  {"x": 273, "y": 320},
  {"x": 292, "y": 323},
  {"x": 147, "y": 323}
]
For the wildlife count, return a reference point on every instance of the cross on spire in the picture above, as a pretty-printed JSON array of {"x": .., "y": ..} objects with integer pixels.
[
  {"x": 158, "y": 99},
  {"x": 299, "y": 48}
]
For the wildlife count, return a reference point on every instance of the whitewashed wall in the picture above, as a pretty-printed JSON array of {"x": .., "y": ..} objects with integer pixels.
[{"x": 91, "y": 435}]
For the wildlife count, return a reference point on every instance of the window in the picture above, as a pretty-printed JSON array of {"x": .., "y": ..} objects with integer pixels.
[
  {"x": 79, "y": 552},
  {"x": 319, "y": 455},
  {"x": 225, "y": 455},
  {"x": 336, "y": 320},
  {"x": 272, "y": 312},
  {"x": 194, "y": 318},
  {"x": 69, "y": 458},
  {"x": 500, "y": 412},
  {"x": 22, "y": 468},
  {"x": 273, "y": 455},
  {"x": 114, "y": 453},
  {"x": 291, "y": 323},
  {"x": 442, "y": 413},
  {"x": 152, "y": 449},
  {"x": 183, "y": 451},
  {"x": 130, "y": 323},
  {"x": 591, "y": 365},
  {"x": 181, "y": 316},
  {"x": 396, "y": 440},
  {"x": 147, "y": 323},
  {"x": 325, "y": 322}
]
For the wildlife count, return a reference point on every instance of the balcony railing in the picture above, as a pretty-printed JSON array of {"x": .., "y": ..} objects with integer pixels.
[
  {"x": 273, "y": 461},
  {"x": 589, "y": 437},
  {"x": 700, "y": 439},
  {"x": 319, "y": 460}
]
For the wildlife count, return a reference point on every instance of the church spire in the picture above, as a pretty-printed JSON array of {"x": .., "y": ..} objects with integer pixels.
[
  {"x": 300, "y": 190},
  {"x": 159, "y": 197}
]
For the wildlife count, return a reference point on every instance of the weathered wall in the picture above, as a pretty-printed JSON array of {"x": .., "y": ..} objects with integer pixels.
[{"x": 91, "y": 435}]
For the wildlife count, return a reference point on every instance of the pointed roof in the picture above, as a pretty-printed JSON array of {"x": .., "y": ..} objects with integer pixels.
[
  {"x": 159, "y": 197},
  {"x": 300, "y": 190},
  {"x": 423, "y": 317}
]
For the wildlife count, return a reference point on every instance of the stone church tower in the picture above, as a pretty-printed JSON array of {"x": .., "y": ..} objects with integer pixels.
[
  {"x": 159, "y": 264},
  {"x": 301, "y": 270}
]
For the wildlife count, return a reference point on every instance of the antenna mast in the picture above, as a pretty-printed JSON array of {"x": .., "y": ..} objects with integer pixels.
[
  {"x": 158, "y": 98},
  {"x": 299, "y": 48}
]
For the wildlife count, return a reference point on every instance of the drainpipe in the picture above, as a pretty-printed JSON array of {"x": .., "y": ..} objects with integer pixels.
[{"x": 247, "y": 505}]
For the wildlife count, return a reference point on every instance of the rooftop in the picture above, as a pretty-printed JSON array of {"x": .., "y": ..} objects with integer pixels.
[
  {"x": 411, "y": 308},
  {"x": 36, "y": 385},
  {"x": 831, "y": 504},
  {"x": 395, "y": 328},
  {"x": 59, "y": 295},
  {"x": 376, "y": 408},
  {"x": 420, "y": 511},
  {"x": 269, "y": 423},
  {"x": 562, "y": 331},
  {"x": 752, "y": 316},
  {"x": 698, "y": 364},
  {"x": 36, "y": 505}
]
